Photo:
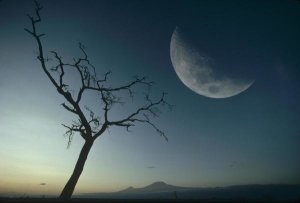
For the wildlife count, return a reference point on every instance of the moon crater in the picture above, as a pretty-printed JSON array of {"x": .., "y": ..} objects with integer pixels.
[{"x": 199, "y": 72}]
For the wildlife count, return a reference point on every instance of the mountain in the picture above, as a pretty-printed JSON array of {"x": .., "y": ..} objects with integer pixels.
[
  {"x": 154, "y": 187},
  {"x": 161, "y": 190}
]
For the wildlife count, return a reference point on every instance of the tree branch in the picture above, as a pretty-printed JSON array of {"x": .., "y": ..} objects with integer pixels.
[
  {"x": 69, "y": 108},
  {"x": 131, "y": 119},
  {"x": 91, "y": 128},
  {"x": 59, "y": 86}
]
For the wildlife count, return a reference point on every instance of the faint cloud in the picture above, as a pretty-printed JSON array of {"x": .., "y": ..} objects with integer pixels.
[{"x": 151, "y": 167}]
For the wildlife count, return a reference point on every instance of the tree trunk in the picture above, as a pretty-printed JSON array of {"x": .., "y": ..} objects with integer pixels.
[{"x": 70, "y": 186}]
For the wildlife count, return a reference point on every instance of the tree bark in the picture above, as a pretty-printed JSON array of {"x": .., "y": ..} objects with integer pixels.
[{"x": 70, "y": 186}]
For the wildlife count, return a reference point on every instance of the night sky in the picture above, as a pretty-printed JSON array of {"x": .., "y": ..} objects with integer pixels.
[{"x": 250, "y": 138}]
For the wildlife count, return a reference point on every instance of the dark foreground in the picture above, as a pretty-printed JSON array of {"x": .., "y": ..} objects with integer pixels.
[{"x": 85, "y": 200}]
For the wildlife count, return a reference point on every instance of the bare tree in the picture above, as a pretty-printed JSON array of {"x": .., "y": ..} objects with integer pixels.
[{"x": 89, "y": 126}]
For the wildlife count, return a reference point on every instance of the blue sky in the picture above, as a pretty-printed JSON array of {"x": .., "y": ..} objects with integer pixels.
[{"x": 249, "y": 138}]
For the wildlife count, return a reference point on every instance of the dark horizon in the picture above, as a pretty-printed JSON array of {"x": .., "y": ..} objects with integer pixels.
[{"x": 161, "y": 191}]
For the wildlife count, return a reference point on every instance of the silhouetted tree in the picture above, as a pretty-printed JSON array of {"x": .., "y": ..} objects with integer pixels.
[{"x": 89, "y": 126}]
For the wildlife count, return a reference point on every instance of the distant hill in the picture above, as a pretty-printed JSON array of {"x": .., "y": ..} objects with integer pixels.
[
  {"x": 161, "y": 190},
  {"x": 154, "y": 187}
]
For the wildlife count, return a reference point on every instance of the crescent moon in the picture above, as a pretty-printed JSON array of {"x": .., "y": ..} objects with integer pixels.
[{"x": 198, "y": 72}]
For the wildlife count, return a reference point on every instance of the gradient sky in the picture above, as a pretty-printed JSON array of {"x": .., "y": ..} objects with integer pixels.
[{"x": 250, "y": 138}]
